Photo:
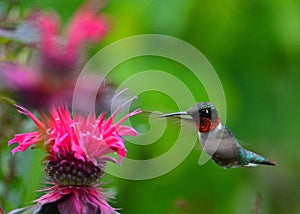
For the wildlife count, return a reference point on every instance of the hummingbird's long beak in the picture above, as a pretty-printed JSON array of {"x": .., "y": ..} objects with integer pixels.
[{"x": 175, "y": 114}]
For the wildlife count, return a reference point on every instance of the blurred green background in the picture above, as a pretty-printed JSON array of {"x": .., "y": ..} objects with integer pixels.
[{"x": 255, "y": 48}]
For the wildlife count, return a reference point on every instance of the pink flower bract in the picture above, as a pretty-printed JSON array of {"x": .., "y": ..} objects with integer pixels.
[{"x": 73, "y": 199}]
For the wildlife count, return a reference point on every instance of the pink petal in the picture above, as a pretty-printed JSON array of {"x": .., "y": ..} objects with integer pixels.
[
  {"x": 37, "y": 122},
  {"x": 48, "y": 23},
  {"x": 85, "y": 26},
  {"x": 126, "y": 131},
  {"x": 25, "y": 140}
]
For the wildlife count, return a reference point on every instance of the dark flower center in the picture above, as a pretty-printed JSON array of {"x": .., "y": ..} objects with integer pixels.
[{"x": 70, "y": 171}]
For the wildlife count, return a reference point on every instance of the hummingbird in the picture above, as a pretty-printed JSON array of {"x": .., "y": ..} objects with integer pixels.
[{"x": 217, "y": 140}]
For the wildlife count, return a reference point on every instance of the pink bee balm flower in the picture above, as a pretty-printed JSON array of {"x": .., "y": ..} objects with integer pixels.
[
  {"x": 60, "y": 56},
  {"x": 77, "y": 149},
  {"x": 50, "y": 76}
]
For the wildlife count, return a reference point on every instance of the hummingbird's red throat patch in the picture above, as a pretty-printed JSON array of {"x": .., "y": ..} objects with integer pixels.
[{"x": 206, "y": 124}]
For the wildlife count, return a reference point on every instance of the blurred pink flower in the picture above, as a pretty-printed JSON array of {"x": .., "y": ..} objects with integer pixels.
[
  {"x": 77, "y": 150},
  {"x": 62, "y": 56},
  {"x": 51, "y": 75}
]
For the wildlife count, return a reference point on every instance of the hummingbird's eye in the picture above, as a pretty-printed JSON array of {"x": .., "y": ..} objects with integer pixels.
[{"x": 206, "y": 112}]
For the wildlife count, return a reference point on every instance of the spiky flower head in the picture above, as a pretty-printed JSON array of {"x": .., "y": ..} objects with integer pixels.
[{"x": 77, "y": 149}]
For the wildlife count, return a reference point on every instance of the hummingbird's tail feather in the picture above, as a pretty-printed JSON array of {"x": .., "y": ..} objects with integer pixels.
[
  {"x": 253, "y": 159},
  {"x": 266, "y": 162}
]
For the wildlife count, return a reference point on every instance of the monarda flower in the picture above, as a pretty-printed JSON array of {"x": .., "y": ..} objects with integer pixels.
[
  {"x": 61, "y": 55},
  {"x": 77, "y": 149},
  {"x": 50, "y": 75}
]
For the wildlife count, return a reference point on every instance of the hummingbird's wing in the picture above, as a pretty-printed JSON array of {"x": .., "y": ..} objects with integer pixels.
[
  {"x": 151, "y": 127},
  {"x": 159, "y": 124},
  {"x": 221, "y": 140},
  {"x": 185, "y": 121},
  {"x": 221, "y": 145}
]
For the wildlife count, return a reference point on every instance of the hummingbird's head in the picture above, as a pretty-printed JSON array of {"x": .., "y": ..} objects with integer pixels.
[{"x": 205, "y": 116}]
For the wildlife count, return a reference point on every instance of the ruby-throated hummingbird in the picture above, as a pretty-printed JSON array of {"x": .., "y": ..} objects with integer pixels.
[{"x": 217, "y": 140}]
